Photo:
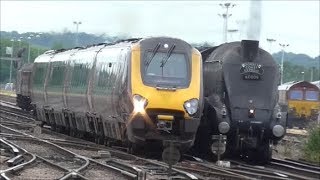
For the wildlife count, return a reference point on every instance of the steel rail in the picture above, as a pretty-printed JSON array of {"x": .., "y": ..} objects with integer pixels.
[
  {"x": 17, "y": 115},
  {"x": 20, "y": 165},
  {"x": 296, "y": 163},
  {"x": 189, "y": 175},
  {"x": 275, "y": 171},
  {"x": 217, "y": 168},
  {"x": 75, "y": 172}
]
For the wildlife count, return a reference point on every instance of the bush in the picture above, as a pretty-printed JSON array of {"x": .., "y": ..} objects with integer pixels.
[{"x": 312, "y": 146}]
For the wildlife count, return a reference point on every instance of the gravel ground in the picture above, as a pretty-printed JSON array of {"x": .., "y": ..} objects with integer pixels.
[
  {"x": 38, "y": 170},
  {"x": 3, "y": 163},
  {"x": 290, "y": 147},
  {"x": 100, "y": 172},
  {"x": 50, "y": 153}
]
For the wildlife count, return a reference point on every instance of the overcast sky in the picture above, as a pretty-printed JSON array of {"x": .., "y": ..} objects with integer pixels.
[{"x": 292, "y": 22}]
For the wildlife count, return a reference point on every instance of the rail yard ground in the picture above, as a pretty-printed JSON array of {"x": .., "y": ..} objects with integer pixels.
[
  {"x": 291, "y": 146},
  {"x": 76, "y": 158}
]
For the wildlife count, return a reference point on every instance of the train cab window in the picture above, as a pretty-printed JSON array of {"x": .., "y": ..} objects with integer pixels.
[
  {"x": 296, "y": 95},
  {"x": 312, "y": 95},
  {"x": 175, "y": 66},
  {"x": 161, "y": 71}
]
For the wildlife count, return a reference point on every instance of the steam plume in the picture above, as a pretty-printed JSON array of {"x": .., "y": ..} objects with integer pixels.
[{"x": 254, "y": 24}]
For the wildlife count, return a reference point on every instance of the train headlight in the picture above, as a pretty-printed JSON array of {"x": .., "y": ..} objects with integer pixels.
[
  {"x": 191, "y": 106},
  {"x": 278, "y": 130},
  {"x": 251, "y": 113},
  {"x": 139, "y": 103}
]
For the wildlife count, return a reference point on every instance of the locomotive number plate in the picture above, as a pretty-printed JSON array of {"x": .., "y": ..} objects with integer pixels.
[{"x": 251, "y": 71}]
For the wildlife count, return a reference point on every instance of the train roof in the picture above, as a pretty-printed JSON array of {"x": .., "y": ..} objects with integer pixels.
[
  {"x": 317, "y": 83},
  {"x": 288, "y": 85},
  {"x": 64, "y": 54}
]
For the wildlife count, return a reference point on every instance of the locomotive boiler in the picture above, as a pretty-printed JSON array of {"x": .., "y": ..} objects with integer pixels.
[
  {"x": 132, "y": 92},
  {"x": 240, "y": 89}
]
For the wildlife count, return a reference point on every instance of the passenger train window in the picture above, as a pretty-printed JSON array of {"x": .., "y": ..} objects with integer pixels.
[
  {"x": 57, "y": 76},
  {"x": 80, "y": 78},
  {"x": 312, "y": 95},
  {"x": 39, "y": 76},
  {"x": 296, "y": 95}
]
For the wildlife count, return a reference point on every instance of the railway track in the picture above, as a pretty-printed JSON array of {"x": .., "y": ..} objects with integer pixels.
[
  {"x": 95, "y": 167},
  {"x": 31, "y": 166},
  {"x": 73, "y": 164},
  {"x": 279, "y": 169},
  {"x": 296, "y": 168},
  {"x": 6, "y": 98},
  {"x": 100, "y": 161}
]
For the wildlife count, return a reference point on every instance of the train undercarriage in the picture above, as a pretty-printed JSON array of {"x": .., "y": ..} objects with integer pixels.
[
  {"x": 93, "y": 128},
  {"x": 250, "y": 140}
]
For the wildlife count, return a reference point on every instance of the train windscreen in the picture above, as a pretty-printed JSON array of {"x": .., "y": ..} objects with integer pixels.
[
  {"x": 312, "y": 95},
  {"x": 164, "y": 70},
  {"x": 296, "y": 95}
]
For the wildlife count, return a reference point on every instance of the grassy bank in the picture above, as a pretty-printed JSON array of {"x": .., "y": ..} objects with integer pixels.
[{"x": 312, "y": 146}]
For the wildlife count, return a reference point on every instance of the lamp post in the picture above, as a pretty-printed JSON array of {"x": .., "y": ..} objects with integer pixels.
[
  {"x": 38, "y": 36},
  {"x": 31, "y": 35},
  {"x": 270, "y": 41},
  {"x": 302, "y": 75},
  {"x": 77, "y": 23},
  {"x": 19, "y": 40},
  {"x": 225, "y": 16},
  {"x": 10, "y": 76},
  {"x": 282, "y": 46}
]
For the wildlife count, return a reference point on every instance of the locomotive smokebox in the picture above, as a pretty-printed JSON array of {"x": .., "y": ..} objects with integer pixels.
[{"x": 249, "y": 49}]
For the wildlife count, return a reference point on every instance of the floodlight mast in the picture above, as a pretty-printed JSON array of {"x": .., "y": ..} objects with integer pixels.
[
  {"x": 283, "y": 47},
  {"x": 225, "y": 16},
  {"x": 77, "y": 23}
]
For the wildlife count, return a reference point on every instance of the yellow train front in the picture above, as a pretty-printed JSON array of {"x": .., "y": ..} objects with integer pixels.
[
  {"x": 166, "y": 87},
  {"x": 302, "y": 101}
]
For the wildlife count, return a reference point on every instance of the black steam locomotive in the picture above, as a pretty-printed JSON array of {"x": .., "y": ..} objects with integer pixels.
[{"x": 241, "y": 114}]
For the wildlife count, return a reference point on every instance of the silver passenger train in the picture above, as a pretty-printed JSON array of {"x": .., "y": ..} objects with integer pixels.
[{"x": 130, "y": 92}]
